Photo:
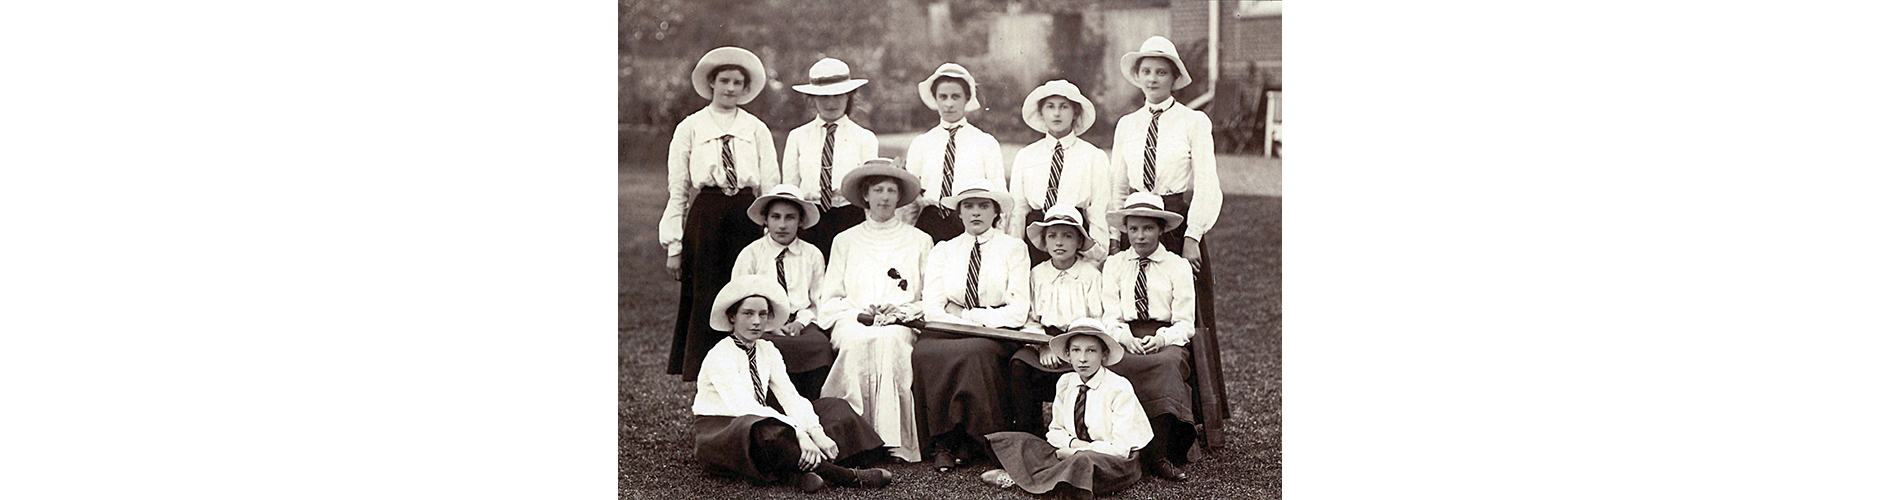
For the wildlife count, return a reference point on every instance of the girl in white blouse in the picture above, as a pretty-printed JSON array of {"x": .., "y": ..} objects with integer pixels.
[
  {"x": 952, "y": 151},
  {"x": 876, "y": 269},
  {"x": 818, "y": 154},
  {"x": 719, "y": 159},
  {"x": 1062, "y": 168},
  {"x": 1098, "y": 426},
  {"x": 748, "y": 421},
  {"x": 1062, "y": 290}
]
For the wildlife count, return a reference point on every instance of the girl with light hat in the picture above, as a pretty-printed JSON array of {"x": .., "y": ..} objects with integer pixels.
[
  {"x": 877, "y": 268},
  {"x": 1062, "y": 168},
  {"x": 1097, "y": 427},
  {"x": 1148, "y": 300},
  {"x": 736, "y": 429},
  {"x": 1062, "y": 289},
  {"x": 799, "y": 267},
  {"x": 1167, "y": 149},
  {"x": 951, "y": 151},
  {"x": 818, "y": 154},
  {"x": 980, "y": 277},
  {"x": 718, "y": 161}
]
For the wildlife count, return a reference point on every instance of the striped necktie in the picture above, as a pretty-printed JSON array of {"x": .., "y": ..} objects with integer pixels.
[
  {"x": 781, "y": 268},
  {"x": 1141, "y": 288},
  {"x": 752, "y": 361},
  {"x": 1081, "y": 411},
  {"x": 725, "y": 156},
  {"x": 1055, "y": 177},
  {"x": 824, "y": 168},
  {"x": 1148, "y": 156},
  {"x": 969, "y": 292},
  {"x": 949, "y": 161}
]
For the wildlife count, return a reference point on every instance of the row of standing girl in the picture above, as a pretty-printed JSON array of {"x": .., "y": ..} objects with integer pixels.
[{"x": 722, "y": 156}]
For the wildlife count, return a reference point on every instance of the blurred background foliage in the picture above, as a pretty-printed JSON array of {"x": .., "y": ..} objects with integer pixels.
[{"x": 1011, "y": 47}]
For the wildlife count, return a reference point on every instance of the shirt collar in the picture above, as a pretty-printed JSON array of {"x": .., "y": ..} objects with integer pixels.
[
  {"x": 1164, "y": 104},
  {"x": 793, "y": 248},
  {"x": 1096, "y": 382},
  {"x": 741, "y": 125},
  {"x": 983, "y": 238},
  {"x": 1161, "y": 255},
  {"x": 844, "y": 122},
  {"x": 1067, "y": 141},
  {"x": 946, "y": 125}
]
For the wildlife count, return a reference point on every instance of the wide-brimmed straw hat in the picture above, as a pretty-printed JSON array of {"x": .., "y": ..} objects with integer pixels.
[
  {"x": 952, "y": 70},
  {"x": 908, "y": 185},
  {"x": 1145, "y": 204},
  {"x": 1059, "y": 215},
  {"x": 830, "y": 77},
  {"x": 1156, "y": 47},
  {"x": 1092, "y": 327},
  {"x": 755, "y": 77},
  {"x": 746, "y": 286},
  {"x": 1032, "y": 106},
  {"x": 786, "y": 192},
  {"x": 979, "y": 188}
]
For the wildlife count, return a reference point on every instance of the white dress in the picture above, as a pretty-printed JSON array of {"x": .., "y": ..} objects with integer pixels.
[{"x": 875, "y": 263}]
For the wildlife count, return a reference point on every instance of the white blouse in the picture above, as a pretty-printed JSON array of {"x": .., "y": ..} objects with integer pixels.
[
  {"x": 1170, "y": 295},
  {"x": 977, "y": 155},
  {"x": 1002, "y": 281},
  {"x": 1064, "y": 295},
  {"x": 725, "y": 387},
  {"x": 695, "y": 160},
  {"x": 1184, "y": 160},
  {"x": 804, "y": 271},
  {"x": 804, "y": 157},
  {"x": 1114, "y": 415},
  {"x": 874, "y": 263},
  {"x": 1085, "y": 184}
]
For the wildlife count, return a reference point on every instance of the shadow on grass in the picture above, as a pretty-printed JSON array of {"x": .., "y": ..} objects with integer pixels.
[{"x": 656, "y": 439}]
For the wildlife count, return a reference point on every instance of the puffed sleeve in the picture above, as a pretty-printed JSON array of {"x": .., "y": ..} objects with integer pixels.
[
  {"x": 1207, "y": 194},
  {"x": 796, "y": 407},
  {"x": 1117, "y": 176},
  {"x": 745, "y": 265},
  {"x": 1060, "y": 435},
  {"x": 1113, "y": 272},
  {"x": 789, "y": 168},
  {"x": 1181, "y": 274},
  {"x": 936, "y": 295},
  {"x": 913, "y": 162},
  {"x": 1016, "y": 223},
  {"x": 993, "y": 168},
  {"x": 833, "y": 304},
  {"x": 1101, "y": 197},
  {"x": 813, "y": 289},
  {"x": 679, "y": 184},
  {"x": 769, "y": 174},
  {"x": 1131, "y": 430}
]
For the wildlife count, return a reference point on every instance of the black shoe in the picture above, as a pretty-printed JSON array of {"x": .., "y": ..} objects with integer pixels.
[
  {"x": 1166, "y": 470},
  {"x": 809, "y": 482},
  {"x": 873, "y": 478},
  {"x": 944, "y": 461}
]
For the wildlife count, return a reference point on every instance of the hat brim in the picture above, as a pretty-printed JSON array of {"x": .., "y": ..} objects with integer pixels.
[
  {"x": 909, "y": 187},
  {"x": 1172, "y": 219},
  {"x": 702, "y": 72},
  {"x": 1034, "y": 234},
  {"x": 747, "y": 286},
  {"x": 808, "y": 209},
  {"x": 1130, "y": 59},
  {"x": 1003, "y": 200},
  {"x": 1061, "y": 345},
  {"x": 1032, "y": 114},
  {"x": 839, "y": 88},
  {"x": 930, "y": 101}
]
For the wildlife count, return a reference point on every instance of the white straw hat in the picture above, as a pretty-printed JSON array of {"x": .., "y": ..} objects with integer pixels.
[
  {"x": 755, "y": 77},
  {"x": 952, "y": 70},
  {"x": 1059, "y": 215},
  {"x": 1032, "y": 106},
  {"x": 830, "y": 77},
  {"x": 1145, "y": 204},
  {"x": 979, "y": 188},
  {"x": 908, "y": 185},
  {"x": 1156, "y": 47},
  {"x": 787, "y": 192},
  {"x": 746, "y": 286},
  {"x": 1091, "y": 327}
]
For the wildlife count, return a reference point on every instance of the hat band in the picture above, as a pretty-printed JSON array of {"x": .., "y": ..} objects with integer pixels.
[
  {"x": 1061, "y": 218},
  {"x": 1143, "y": 205},
  {"x": 828, "y": 80}
]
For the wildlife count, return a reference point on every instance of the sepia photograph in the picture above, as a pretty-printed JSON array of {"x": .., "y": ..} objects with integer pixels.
[{"x": 934, "y": 249}]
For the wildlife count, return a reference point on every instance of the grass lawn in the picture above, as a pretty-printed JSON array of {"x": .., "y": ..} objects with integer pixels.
[{"x": 656, "y": 440}]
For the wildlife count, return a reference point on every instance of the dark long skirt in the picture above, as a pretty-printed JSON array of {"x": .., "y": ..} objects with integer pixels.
[
  {"x": 808, "y": 358},
  {"x": 1036, "y": 255},
  {"x": 1206, "y": 344},
  {"x": 717, "y": 229},
  {"x": 961, "y": 384},
  {"x": 940, "y": 223},
  {"x": 1031, "y": 461},
  {"x": 766, "y": 449},
  {"x": 1162, "y": 383},
  {"x": 1031, "y": 385},
  {"x": 830, "y": 223}
]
